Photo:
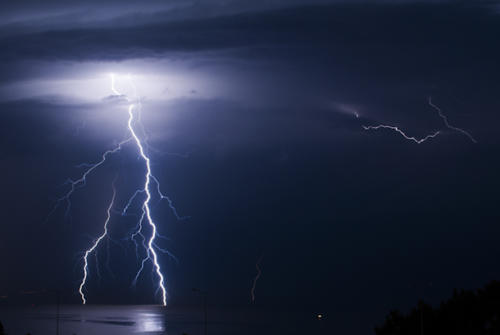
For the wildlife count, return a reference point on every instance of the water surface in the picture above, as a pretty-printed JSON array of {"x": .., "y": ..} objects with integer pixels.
[{"x": 149, "y": 319}]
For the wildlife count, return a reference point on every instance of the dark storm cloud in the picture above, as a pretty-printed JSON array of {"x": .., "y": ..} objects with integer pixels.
[
  {"x": 32, "y": 12},
  {"x": 340, "y": 28},
  {"x": 338, "y": 48}
]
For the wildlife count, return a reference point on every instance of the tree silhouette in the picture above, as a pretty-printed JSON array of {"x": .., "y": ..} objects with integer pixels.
[{"x": 466, "y": 312}]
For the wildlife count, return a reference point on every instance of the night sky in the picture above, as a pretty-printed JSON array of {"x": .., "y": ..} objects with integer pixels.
[{"x": 250, "y": 110}]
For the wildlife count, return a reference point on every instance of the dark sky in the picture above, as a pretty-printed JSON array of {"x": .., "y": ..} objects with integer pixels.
[{"x": 250, "y": 113}]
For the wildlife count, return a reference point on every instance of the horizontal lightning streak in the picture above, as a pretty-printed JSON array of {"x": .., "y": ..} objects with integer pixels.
[
  {"x": 421, "y": 140},
  {"x": 402, "y": 133}
]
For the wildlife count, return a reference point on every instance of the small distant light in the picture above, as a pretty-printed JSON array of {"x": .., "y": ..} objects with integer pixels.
[{"x": 319, "y": 316}]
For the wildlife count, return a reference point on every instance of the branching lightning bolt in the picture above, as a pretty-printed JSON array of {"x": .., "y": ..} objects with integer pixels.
[
  {"x": 257, "y": 276},
  {"x": 151, "y": 253},
  {"x": 449, "y": 126},
  {"x": 94, "y": 246},
  {"x": 82, "y": 181},
  {"x": 423, "y": 139},
  {"x": 402, "y": 133},
  {"x": 151, "y": 183}
]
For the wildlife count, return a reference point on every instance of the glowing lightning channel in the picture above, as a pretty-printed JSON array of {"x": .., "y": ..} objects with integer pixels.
[
  {"x": 449, "y": 126},
  {"x": 115, "y": 91},
  {"x": 259, "y": 272},
  {"x": 94, "y": 246},
  {"x": 402, "y": 133},
  {"x": 151, "y": 253}
]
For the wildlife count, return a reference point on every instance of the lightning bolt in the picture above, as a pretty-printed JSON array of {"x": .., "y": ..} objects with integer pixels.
[
  {"x": 257, "y": 276},
  {"x": 151, "y": 253},
  {"x": 447, "y": 124},
  {"x": 82, "y": 181},
  {"x": 113, "y": 85},
  {"x": 151, "y": 184},
  {"x": 402, "y": 133},
  {"x": 421, "y": 140},
  {"x": 94, "y": 246},
  {"x": 148, "y": 243}
]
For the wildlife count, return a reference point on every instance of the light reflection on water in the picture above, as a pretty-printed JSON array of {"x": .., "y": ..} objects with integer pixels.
[
  {"x": 149, "y": 322},
  {"x": 92, "y": 320},
  {"x": 139, "y": 319}
]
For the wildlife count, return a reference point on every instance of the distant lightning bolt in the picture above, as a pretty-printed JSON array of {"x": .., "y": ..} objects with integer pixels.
[
  {"x": 449, "y": 126},
  {"x": 94, "y": 246},
  {"x": 421, "y": 140},
  {"x": 257, "y": 276},
  {"x": 402, "y": 133}
]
